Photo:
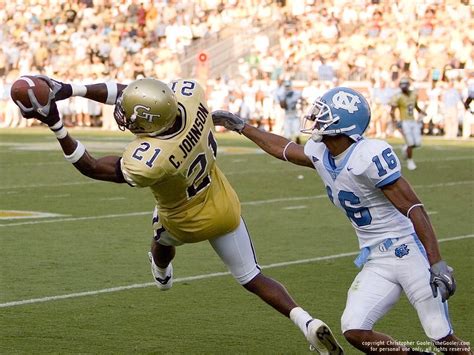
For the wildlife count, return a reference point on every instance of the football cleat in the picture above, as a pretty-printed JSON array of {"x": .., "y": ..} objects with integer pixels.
[
  {"x": 321, "y": 339},
  {"x": 164, "y": 281},
  {"x": 411, "y": 164}
]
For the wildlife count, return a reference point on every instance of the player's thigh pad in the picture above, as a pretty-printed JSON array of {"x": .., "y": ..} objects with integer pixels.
[
  {"x": 160, "y": 234},
  {"x": 415, "y": 280},
  {"x": 369, "y": 298},
  {"x": 417, "y": 134},
  {"x": 412, "y": 133},
  {"x": 237, "y": 252}
]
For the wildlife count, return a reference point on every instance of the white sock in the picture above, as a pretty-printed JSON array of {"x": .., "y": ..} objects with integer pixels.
[
  {"x": 300, "y": 317},
  {"x": 161, "y": 271}
]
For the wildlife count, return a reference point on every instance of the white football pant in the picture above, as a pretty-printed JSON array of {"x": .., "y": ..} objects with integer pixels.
[{"x": 379, "y": 284}]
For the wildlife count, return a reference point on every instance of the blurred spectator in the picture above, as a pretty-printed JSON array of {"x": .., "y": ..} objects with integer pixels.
[
  {"x": 289, "y": 99},
  {"x": 451, "y": 102},
  {"x": 318, "y": 43},
  {"x": 433, "y": 121},
  {"x": 380, "y": 96},
  {"x": 468, "y": 120}
]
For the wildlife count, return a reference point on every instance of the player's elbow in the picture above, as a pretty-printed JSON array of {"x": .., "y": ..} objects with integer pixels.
[{"x": 89, "y": 168}]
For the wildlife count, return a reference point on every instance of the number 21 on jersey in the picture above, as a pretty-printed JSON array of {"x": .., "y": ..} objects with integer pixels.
[
  {"x": 144, "y": 147},
  {"x": 198, "y": 169}
]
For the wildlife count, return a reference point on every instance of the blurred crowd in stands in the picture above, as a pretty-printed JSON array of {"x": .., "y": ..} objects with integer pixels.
[{"x": 368, "y": 45}]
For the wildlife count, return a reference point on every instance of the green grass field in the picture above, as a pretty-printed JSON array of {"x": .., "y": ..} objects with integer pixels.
[{"x": 83, "y": 274}]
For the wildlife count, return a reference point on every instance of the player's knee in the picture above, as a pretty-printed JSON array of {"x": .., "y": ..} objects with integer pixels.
[
  {"x": 351, "y": 321},
  {"x": 250, "y": 280}
]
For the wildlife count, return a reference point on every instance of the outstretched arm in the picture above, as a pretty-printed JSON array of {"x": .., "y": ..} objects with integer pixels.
[
  {"x": 106, "y": 93},
  {"x": 404, "y": 199},
  {"x": 278, "y": 146},
  {"x": 106, "y": 168}
]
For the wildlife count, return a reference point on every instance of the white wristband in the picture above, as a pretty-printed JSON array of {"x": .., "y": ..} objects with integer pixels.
[
  {"x": 59, "y": 130},
  {"x": 284, "y": 150},
  {"x": 111, "y": 92},
  {"x": 78, "y": 90},
  {"x": 77, "y": 154},
  {"x": 412, "y": 207}
]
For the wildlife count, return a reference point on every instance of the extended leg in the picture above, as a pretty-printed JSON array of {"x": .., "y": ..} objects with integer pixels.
[
  {"x": 162, "y": 254},
  {"x": 236, "y": 251},
  {"x": 161, "y": 268}
]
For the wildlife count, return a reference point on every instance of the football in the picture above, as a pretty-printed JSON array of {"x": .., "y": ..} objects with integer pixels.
[{"x": 39, "y": 87}]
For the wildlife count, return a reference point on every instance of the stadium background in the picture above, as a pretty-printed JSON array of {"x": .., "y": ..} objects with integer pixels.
[
  {"x": 77, "y": 280},
  {"x": 243, "y": 50}
]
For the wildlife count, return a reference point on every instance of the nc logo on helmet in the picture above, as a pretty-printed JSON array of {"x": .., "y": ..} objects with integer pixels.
[
  {"x": 140, "y": 111},
  {"x": 346, "y": 101}
]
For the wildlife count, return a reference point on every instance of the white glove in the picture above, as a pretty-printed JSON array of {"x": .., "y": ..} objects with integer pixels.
[
  {"x": 228, "y": 120},
  {"x": 442, "y": 280}
]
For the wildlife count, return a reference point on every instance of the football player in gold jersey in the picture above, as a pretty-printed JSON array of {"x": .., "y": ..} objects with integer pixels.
[
  {"x": 407, "y": 102},
  {"x": 174, "y": 154}
]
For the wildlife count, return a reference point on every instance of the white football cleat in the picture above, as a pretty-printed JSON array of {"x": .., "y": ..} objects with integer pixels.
[
  {"x": 411, "y": 164},
  {"x": 321, "y": 339},
  {"x": 163, "y": 281}
]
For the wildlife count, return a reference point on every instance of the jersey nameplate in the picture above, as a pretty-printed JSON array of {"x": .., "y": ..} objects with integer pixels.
[{"x": 192, "y": 137}]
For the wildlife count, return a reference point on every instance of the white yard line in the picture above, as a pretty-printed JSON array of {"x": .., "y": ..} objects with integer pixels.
[
  {"x": 299, "y": 207},
  {"x": 73, "y": 219},
  {"x": 192, "y": 278},
  {"x": 48, "y": 185},
  {"x": 246, "y": 203}
]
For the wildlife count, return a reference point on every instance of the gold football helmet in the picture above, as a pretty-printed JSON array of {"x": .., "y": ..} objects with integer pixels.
[{"x": 146, "y": 107}]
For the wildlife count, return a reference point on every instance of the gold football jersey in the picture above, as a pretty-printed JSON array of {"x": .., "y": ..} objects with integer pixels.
[
  {"x": 406, "y": 105},
  {"x": 194, "y": 199}
]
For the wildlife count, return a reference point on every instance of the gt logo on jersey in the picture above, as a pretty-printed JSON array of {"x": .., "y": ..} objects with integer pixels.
[
  {"x": 346, "y": 101},
  {"x": 142, "y": 112}
]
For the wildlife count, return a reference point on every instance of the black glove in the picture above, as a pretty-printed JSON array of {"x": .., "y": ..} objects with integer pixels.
[
  {"x": 228, "y": 120},
  {"x": 51, "y": 118},
  {"x": 36, "y": 110},
  {"x": 442, "y": 280},
  {"x": 60, "y": 90}
]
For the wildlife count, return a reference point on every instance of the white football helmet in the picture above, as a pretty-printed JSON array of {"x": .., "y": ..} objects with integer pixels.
[{"x": 340, "y": 110}]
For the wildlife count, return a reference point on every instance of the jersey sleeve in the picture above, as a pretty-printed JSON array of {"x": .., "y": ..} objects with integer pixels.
[
  {"x": 314, "y": 151},
  {"x": 136, "y": 167},
  {"x": 382, "y": 165}
]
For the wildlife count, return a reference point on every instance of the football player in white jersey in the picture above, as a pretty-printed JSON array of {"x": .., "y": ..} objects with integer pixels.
[
  {"x": 173, "y": 154},
  {"x": 398, "y": 247}
]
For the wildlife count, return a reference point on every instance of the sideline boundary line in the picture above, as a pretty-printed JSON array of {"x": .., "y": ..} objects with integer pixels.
[{"x": 192, "y": 278}]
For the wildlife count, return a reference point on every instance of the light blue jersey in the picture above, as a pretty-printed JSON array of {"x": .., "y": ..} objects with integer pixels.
[{"x": 354, "y": 185}]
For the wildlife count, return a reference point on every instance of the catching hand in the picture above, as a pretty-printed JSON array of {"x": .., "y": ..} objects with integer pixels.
[
  {"x": 60, "y": 90},
  {"x": 442, "y": 280},
  {"x": 228, "y": 120},
  {"x": 50, "y": 118}
]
